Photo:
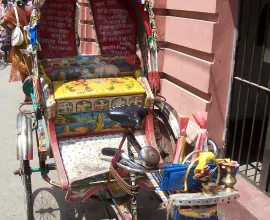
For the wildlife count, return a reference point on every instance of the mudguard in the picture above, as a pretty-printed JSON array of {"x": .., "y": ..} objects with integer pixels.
[
  {"x": 24, "y": 137},
  {"x": 171, "y": 115}
]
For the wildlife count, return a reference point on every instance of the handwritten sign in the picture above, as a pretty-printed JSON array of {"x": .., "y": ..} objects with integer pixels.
[
  {"x": 57, "y": 29},
  {"x": 115, "y": 27}
]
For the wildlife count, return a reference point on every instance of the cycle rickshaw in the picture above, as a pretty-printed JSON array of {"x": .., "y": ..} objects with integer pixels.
[{"x": 101, "y": 119}]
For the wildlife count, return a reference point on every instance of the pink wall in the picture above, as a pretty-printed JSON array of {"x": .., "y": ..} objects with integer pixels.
[
  {"x": 197, "y": 42},
  {"x": 197, "y": 57}
]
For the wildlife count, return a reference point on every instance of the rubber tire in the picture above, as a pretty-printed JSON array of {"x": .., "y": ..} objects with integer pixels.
[
  {"x": 159, "y": 116},
  {"x": 28, "y": 190}
]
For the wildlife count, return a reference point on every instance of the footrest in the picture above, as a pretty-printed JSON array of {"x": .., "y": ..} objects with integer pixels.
[{"x": 82, "y": 157}]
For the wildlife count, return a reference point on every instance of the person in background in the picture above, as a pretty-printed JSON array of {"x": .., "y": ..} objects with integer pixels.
[
  {"x": 5, "y": 37},
  {"x": 21, "y": 64}
]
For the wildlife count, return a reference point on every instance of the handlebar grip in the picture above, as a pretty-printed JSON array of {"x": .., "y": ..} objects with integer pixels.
[{"x": 109, "y": 151}]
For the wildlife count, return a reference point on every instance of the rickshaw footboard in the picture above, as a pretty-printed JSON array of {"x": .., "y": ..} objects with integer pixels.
[{"x": 82, "y": 157}]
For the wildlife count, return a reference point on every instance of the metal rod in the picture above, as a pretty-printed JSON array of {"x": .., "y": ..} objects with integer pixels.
[
  {"x": 254, "y": 46},
  {"x": 213, "y": 145},
  {"x": 243, "y": 127},
  {"x": 133, "y": 197},
  {"x": 132, "y": 139},
  {"x": 252, "y": 84},
  {"x": 129, "y": 169},
  {"x": 103, "y": 182},
  {"x": 251, "y": 134},
  {"x": 262, "y": 132},
  {"x": 245, "y": 43},
  {"x": 265, "y": 171},
  {"x": 236, "y": 121},
  {"x": 257, "y": 93},
  {"x": 35, "y": 170},
  {"x": 240, "y": 89},
  {"x": 116, "y": 206},
  {"x": 248, "y": 93}
]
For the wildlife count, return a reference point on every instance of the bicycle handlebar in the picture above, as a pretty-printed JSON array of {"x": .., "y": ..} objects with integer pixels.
[
  {"x": 109, "y": 151},
  {"x": 128, "y": 164}
]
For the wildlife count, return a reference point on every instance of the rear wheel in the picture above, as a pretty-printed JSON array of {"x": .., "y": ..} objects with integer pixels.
[
  {"x": 166, "y": 140},
  {"x": 26, "y": 178}
]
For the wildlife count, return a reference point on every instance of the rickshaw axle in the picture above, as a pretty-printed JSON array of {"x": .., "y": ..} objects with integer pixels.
[{"x": 44, "y": 170}]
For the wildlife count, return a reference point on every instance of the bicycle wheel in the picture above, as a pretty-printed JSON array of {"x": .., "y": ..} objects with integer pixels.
[
  {"x": 166, "y": 140},
  {"x": 26, "y": 178}
]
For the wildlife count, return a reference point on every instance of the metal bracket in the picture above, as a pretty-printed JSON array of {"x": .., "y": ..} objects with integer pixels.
[{"x": 197, "y": 199}]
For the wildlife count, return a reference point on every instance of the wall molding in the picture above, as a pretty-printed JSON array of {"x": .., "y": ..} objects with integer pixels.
[
  {"x": 189, "y": 51},
  {"x": 188, "y": 14}
]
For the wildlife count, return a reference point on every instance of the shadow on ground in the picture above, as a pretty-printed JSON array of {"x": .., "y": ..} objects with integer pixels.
[{"x": 49, "y": 204}]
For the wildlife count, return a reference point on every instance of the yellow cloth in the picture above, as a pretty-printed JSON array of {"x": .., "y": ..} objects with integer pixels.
[
  {"x": 102, "y": 87},
  {"x": 227, "y": 160},
  {"x": 204, "y": 158}
]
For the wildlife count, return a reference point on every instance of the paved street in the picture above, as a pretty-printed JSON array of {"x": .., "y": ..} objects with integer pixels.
[{"x": 49, "y": 202}]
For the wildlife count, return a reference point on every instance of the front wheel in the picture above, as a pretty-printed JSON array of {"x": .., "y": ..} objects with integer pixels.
[{"x": 26, "y": 178}]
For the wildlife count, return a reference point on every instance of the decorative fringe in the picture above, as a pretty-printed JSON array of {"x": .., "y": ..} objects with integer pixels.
[{"x": 167, "y": 207}]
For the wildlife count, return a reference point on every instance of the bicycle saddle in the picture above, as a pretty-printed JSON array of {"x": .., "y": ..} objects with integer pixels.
[{"x": 128, "y": 116}]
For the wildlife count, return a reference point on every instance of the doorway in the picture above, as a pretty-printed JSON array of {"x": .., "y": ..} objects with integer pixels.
[{"x": 248, "y": 138}]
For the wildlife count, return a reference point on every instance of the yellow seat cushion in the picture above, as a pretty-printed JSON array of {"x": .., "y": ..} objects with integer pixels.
[{"x": 102, "y": 87}]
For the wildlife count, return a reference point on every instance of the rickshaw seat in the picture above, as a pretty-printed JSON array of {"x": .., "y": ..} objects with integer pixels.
[
  {"x": 128, "y": 116},
  {"x": 95, "y": 88}
]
